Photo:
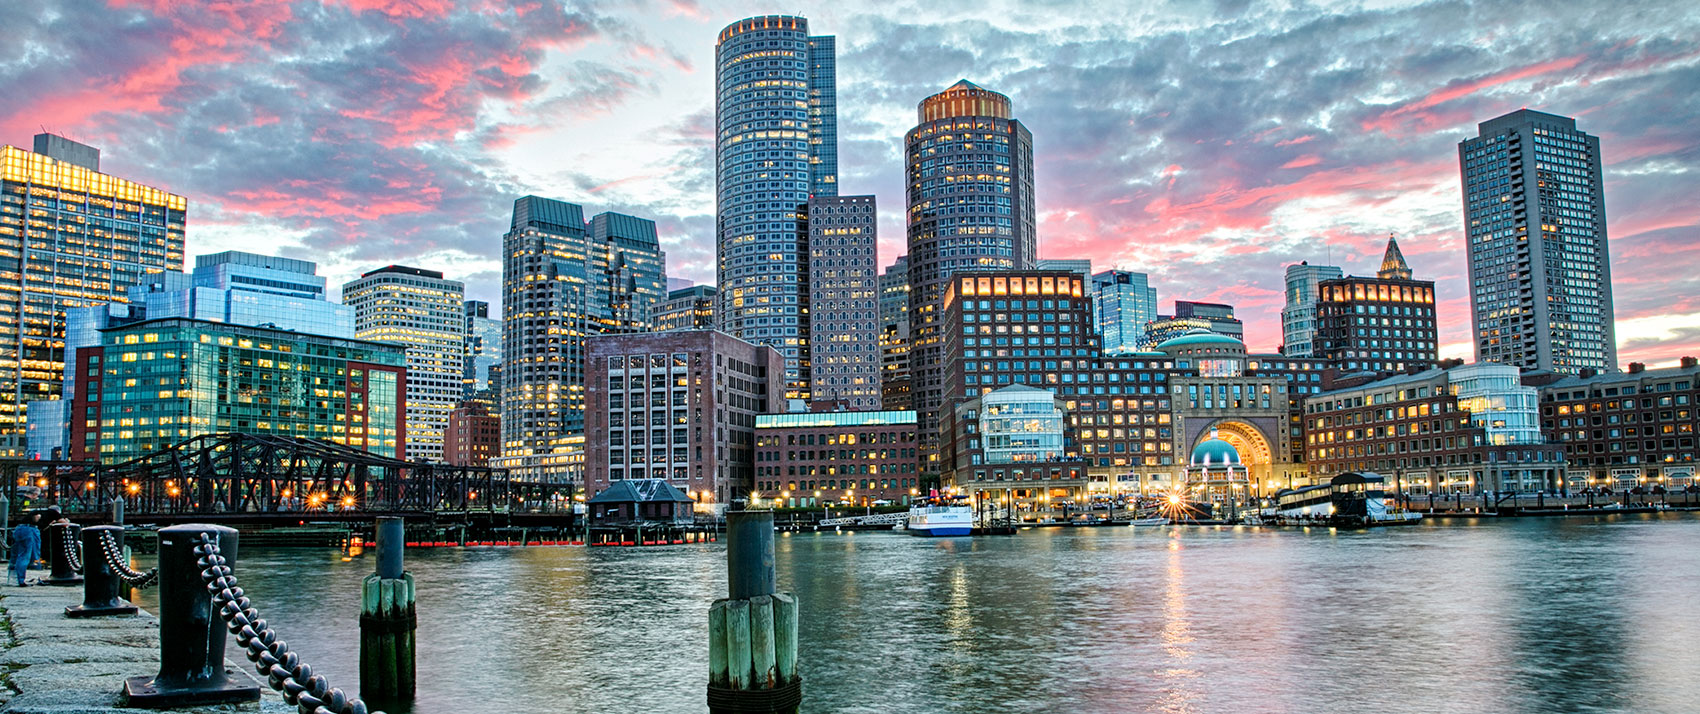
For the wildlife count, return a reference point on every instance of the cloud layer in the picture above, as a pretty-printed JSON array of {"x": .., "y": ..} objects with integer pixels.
[{"x": 1207, "y": 145}]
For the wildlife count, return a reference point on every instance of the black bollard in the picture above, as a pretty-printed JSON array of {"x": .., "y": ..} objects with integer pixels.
[
  {"x": 388, "y": 622},
  {"x": 191, "y": 635},
  {"x": 752, "y": 658},
  {"x": 57, "y": 543},
  {"x": 101, "y": 582}
]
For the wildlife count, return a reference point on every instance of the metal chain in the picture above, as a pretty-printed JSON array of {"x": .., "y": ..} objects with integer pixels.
[
  {"x": 284, "y": 670},
  {"x": 73, "y": 552},
  {"x": 115, "y": 558}
]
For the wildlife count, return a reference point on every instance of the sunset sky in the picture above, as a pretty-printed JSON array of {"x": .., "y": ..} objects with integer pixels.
[{"x": 1206, "y": 144}]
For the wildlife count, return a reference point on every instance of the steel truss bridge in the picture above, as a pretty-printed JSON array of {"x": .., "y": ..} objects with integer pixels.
[{"x": 259, "y": 478}]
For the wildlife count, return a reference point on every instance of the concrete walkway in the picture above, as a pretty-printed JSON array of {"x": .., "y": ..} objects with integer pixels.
[{"x": 52, "y": 664}]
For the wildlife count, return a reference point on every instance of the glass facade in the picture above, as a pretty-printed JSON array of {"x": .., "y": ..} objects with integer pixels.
[
  {"x": 1540, "y": 270},
  {"x": 1298, "y": 316},
  {"x": 1498, "y": 402},
  {"x": 155, "y": 383},
  {"x": 483, "y": 348},
  {"x": 776, "y": 147},
  {"x": 689, "y": 308},
  {"x": 1124, "y": 303},
  {"x": 426, "y": 314},
  {"x": 1021, "y": 424},
  {"x": 70, "y": 237}
]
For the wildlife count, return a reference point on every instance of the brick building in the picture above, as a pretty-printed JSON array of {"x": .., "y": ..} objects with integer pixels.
[
  {"x": 474, "y": 434},
  {"x": 1625, "y": 429},
  {"x": 859, "y": 457},
  {"x": 680, "y": 406}
]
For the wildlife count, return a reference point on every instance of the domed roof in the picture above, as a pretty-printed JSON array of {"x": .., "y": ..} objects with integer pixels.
[
  {"x": 1199, "y": 336},
  {"x": 1215, "y": 452}
]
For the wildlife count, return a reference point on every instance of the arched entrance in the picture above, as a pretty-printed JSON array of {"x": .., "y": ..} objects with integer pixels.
[{"x": 1255, "y": 452}]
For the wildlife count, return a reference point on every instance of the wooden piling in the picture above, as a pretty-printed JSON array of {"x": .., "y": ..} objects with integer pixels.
[
  {"x": 388, "y": 621},
  {"x": 761, "y": 642},
  {"x": 738, "y": 644},
  {"x": 717, "y": 643},
  {"x": 785, "y": 636}
]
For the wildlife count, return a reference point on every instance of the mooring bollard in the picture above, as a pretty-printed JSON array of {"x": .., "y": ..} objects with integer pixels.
[
  {"x": 388, "y": 621},
  {"x": 59, "y": 542},
  {"x": 752, "y": 637},
  {"x": 191, "y": 635},
  {"x": 100, "y": 578}
]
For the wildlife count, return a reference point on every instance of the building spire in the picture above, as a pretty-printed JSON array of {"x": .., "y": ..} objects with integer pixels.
[{"x": 1393, "y": 265}]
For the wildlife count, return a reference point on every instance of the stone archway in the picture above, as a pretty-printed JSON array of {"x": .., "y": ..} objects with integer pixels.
[{"x": 1256, "y": 451}]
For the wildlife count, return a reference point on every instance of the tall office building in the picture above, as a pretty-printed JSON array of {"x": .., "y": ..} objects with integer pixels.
[
  {"x": 564, "y": 279},
  {"x": 1298, "y": 316},
  {"x": 1191, "y": 315},
  {"x": 1382, "y": 324},
  {"x": 686, "y": 308},
  {"x": 1540, "y": 269},
  {"x": 894, "y": 335},
  {"x": 894, "y": 295},
  {"x": 1124, "y": 302},
  {"x": 970, "y": 176},
  {"x": 70, "y": 236},
  {"x": 483, "y": 348},
  {"x": 843, "y": 279},
  {"x": 425, "y": 313},
  {"x": 776, "y": 146}
]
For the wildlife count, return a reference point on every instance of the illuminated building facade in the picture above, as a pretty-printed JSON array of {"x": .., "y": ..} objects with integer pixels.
[
  {"x": 1189, "y": 316},
  {"x": 680, "y": 406},
  {"x": 853, "y": 457},
  {"x": 1125, "y": 303},
  {"x": 70, "y": 237},
  {"x": 152, "y": 384},
  {"x": 776, "y": 147},
  {"x": 969, "y": 166},
  {"x": 1540, "y": 269},
  {"x": 1298, "y": 315},
  {"x": 474, "y": 435},
  {"x": 483, "y": 350},
  {"x": 1626, "y": 429},
  {"x": 689, "y": 308},
  {"x": 844, "y": 299},
  {"x": 894, "y": 336},
  {"x": 563, "y": 280},
  {"x": 425, "y": 313},
  {"x": 1382, "y": 324}
]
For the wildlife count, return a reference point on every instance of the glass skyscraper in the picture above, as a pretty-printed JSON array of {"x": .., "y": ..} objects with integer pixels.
[
  {"x": 1124, "y": 302},
  {"x": 843, "y": 279},
  {"x": 483, "y": 348},
  {"x": 425, "y": 313},
  {"x": 1298, "y": 315},
  {"x": 70, "y": 237},
  {"x": 564, "y": 279},
  {"x": 1540, "y": 270},
  {"x": 970, "y": 200},
  {"x": 776, "y": 146}
]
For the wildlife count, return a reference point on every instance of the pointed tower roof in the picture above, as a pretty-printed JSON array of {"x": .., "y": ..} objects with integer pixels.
[{"x": 1393, "y": 265}]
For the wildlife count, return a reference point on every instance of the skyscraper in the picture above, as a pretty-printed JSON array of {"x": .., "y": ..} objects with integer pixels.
[
  {"x": 776, "y": 146},
  {"x": 1540, "y": 269},
  {"x": 894, "y": 335},
  {"x": 970, "y": 195},
  {"x": 425, "y": 313},
  {"x": 1125, "y": 302},
  {"x": 1380, "y": 324},
  {"x": 483, "y": 348},
  {"x": 70, "y": 237},
  {"x": 1298, "y": 316},
  {"x": 564, "y": 280},
  {"x": 687, "y": 308},
  {"x": 843, "y": 279}
]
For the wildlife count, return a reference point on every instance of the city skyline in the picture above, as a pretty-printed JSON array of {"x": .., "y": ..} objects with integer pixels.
[{"x": 1348, "y": 132}]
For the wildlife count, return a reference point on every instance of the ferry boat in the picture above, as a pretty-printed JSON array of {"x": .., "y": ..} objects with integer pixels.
[
  {"x": 1354, "y": 500},
  {"x": 927, "y": 520}
]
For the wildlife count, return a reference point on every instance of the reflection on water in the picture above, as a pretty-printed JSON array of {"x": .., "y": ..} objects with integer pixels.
[{"x": 1528, "y": 615}]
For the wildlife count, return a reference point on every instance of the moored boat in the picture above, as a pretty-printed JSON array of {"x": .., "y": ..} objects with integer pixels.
[{"x": 940, "y": 520}]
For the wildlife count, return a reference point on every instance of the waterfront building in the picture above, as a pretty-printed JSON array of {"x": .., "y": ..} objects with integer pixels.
[
  {"x": 474, "y": 435},
  {"x": 641, "y": 501},
  {"x": 564, "y": 279},
  {"x": 1468, "y": 428},
  {"x": 70, "y": 237},
  {"x": 1381, "y": 324},
  {"x": 483, "y": 350},
  {"x": 1540, "y": 267},
  {"x": 857, "y": 457},
  {"x": 1625, "y": 429},
  {"x": 1125, "y": 302},
  {"x": 969, "y": 166},
  {"x": 425, "y": 313},
  {"x": 776, "y": 147},
  {"x": 681, "y": 406},
  {"x": 1009, "y": 446},
  {"x": 843, "y": 278},
  {"x": 1298, "y": 316},
  {"x": 1215, "y": 473},
  {"x": 688, "y": 308},
  {"x": 1218, "y": 395},
  {"x": 154, "y": 383},
  {"x": 1189, "y": 316}
]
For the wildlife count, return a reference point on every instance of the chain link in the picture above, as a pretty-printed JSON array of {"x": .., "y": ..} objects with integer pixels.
[
  {"x": 73, "y": 551},
  {"x": 115, "y": 558},
  {"x": 283, "y": 669}
]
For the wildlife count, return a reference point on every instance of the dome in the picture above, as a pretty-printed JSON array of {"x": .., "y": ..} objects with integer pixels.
[
  {"x": 1199, "y": 337},
  {"x": 1215, "y": 452}
]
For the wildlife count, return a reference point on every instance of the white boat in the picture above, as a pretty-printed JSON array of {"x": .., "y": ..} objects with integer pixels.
[
  {"x": 1152, "y": 521},
  {"x": 941, "y": 520}
]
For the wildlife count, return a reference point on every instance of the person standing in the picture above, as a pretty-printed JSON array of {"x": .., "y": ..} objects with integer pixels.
[{"x": 26, "y": 546}]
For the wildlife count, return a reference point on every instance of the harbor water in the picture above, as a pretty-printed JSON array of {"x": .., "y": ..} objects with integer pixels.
[{"x": 1518, "y": 615}]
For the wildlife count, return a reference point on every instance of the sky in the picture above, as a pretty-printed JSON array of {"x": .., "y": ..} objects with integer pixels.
[{"x": 1207, "y": 144}]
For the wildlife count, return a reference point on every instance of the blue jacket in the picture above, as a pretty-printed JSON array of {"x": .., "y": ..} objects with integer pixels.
[{"x": 26, "y": 544}]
